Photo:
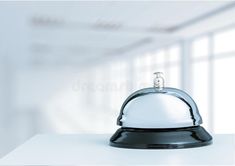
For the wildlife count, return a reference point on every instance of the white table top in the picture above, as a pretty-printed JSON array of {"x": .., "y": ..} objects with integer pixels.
[{"x": 76, "y": 149}]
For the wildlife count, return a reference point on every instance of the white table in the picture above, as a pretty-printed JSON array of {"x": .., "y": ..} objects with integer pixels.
[{"x": 93, "y": 149}]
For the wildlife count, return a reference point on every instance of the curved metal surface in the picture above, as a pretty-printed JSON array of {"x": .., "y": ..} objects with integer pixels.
[{"x": 159, "y": 108}]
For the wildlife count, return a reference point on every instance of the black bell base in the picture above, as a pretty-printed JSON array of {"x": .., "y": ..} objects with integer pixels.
[{"x": 174, "y": 138}]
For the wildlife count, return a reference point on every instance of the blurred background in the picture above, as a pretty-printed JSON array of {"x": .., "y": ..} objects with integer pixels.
[{"x": 66, "y": 67}]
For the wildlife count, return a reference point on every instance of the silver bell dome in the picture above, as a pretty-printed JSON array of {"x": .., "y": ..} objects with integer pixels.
[
  {"x": 160, "y": 118},
  {"x": 159, "y": 107}
]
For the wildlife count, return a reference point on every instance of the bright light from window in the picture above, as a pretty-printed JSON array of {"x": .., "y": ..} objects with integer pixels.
[
  {"x": 160, "y": 57},
  {"x": 222, "y": 114},
  {"x": 174, "y": 53},
  {"x": 200, "y": 47},
  {"x": 224, "y": 92},
  {"x": 224, "y": 42},
  {"x": 117, "y": 84},
  {"x": 173, "y": 76},
  {"x": 200, "y": 87}
]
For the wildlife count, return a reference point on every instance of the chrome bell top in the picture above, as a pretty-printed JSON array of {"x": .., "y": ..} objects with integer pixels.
[{"x": 159, "y": 107}]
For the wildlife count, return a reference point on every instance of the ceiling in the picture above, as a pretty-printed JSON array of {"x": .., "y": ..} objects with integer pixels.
[{"x": 78, "y": 32}]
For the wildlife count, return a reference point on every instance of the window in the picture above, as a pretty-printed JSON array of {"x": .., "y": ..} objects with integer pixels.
[
  {"x": 224, "y": 81},
  {"x": 200, "y": 47},
  {"x": 118, "y": 86},
  {"x": 213, "y": 63},
  {"x": 143, "y": 70},
  {"x": 200, "y": 90},
  {"x": 200, "y": 77},
  {"x": 224, "y": 41},
  {"x": 165, "y": 60},
  {"x": 173, "y": 62}
]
